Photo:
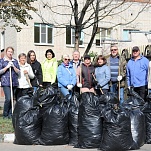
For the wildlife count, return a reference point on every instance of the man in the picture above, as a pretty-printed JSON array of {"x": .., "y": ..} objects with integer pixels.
[
  {"x": 87, "y": 75},
  {"x": 76, "y": 62},
  {"x": 137, "y": 71},
  {"x": 117, "y": 66}
]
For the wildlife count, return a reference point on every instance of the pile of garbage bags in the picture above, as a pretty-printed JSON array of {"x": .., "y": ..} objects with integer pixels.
[{"x": 83, "y": 121}]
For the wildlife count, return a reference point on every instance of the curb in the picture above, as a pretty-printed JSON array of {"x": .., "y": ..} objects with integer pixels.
[{"x": 7, "y": 138}]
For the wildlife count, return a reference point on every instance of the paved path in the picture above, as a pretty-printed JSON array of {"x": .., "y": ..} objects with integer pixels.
[{"x": 13, "y": 147}]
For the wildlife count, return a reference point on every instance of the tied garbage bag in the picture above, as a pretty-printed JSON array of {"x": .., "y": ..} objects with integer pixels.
[
  {"x": 73, "y": 119},
  {"x": 55, "y": 124},
  {"x": 135, "y": 104},
  {"x": 117, "y": 134},
  {"x": 89, "y": 121},
  {"x": 147, "y": 113},
  {"x": 45, "y": 96},
  {"x": 26, "y": 122}
]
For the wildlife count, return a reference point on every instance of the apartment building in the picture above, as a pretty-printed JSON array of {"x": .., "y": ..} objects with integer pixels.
[{"x": 41, "y": 35}]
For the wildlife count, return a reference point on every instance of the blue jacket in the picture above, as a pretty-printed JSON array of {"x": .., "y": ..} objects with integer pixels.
[
  {"x": 66, "y": 75},
  {"x": 5, "y": 77},
  {"x": 103, "y": 76},
  {"x": 137, "y": 72}
]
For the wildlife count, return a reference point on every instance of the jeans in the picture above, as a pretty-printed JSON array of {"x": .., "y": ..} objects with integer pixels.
[
  {"x": 114, "y": 88},
  {"x": 7, "y": 112},
  {"x": 65, "y": 91}
]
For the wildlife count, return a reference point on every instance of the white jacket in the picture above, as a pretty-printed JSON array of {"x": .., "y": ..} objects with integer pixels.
[{"x": 23, "y": 83}]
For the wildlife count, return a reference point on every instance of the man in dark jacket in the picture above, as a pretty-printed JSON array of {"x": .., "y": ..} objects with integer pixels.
[{"x": 87, "y": 70}]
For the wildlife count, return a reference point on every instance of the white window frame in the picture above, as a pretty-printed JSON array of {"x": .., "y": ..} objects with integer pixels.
[
  {"x": 73, "y": 36},
  {"x": 40, "y": 34}
]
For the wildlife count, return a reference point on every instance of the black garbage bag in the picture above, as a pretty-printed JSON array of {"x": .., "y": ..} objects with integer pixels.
[
  {"x": 26, "y": 122},
  {"x": 55, "y": 124},
  {"x": 136, "y": 104},
  {"x": 89, "y": 122},
  {"x": 109, "y": 98},
  {"x": 138, "y": 126},
  {"x": 45, "y": 96},
  {"x": 73, "y": 119},
  {"x": 117, "y": 134},
  {"x": 147, "y": 113}
]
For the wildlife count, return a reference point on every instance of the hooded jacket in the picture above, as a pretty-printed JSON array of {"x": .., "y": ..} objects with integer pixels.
[{"x": 49, "y": 70}]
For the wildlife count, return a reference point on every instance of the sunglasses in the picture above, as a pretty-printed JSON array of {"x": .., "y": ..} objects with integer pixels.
[
  {"x": 135, "y": 50},
  {"x": 67, "y": 59},
  {"x": 113, "y": 49}
]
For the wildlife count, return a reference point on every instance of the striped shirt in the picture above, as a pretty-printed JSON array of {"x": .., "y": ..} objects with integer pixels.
[{"x": 114, "y": 65}]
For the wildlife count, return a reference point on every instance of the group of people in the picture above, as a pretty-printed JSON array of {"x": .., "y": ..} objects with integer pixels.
[{"x": 106, "y": 74}]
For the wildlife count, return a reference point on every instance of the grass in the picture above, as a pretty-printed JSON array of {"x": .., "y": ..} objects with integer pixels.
[{"x": 6, "y": 126}]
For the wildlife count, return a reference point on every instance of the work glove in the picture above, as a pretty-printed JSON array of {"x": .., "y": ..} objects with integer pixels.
[
  {"x": 69, "y": 87},
  {"x": 79, "y": 85},
  {"x": 10, "y": 64},
  {"x": 119, "y": 78}
]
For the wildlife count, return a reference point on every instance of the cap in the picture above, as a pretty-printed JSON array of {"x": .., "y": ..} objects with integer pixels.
[
  {"x": 66, "y": 56},
  {"x": 135, "y": 48},
  {"x": 87, "y": 57}
]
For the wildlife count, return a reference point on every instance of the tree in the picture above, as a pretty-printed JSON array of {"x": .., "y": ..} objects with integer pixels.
[
  {"x": 15, "y": 9},
  {"x": 83, "y": 14}
]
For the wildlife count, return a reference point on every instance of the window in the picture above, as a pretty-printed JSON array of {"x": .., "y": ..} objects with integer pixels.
[
  {"x": 106, "y": 33},
  {"x": 127, "y": 34},
  {"x": 43, "y": 34},
  {"x": 70, "y": 36},
  {"x": 102, "y": 35}
]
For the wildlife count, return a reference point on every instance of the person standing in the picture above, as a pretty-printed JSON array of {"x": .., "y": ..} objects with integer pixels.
[
  {"x": 6, "y": 64},
  {"x": 76, "y": 62},
  {"x": 26, "y": 73},
  {"x": 137, "y": 72},
  {"x": 66, "y": 76},
  {"x": 103, "y": 75},
  {"x": 117, "y": 66},
  {"x": 36, "y": 67},
  {"x": 87, "y": 70},
  {"x": 49, "y": 68}
]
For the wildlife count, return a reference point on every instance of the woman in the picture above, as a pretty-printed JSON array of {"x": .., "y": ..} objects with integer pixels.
[
  {"x": 26, "y": 73},
  {"x": 7, "y": 64},
  {"x": 66, "y": 76},
  {"x": 103, "y": 75},
  {"x": 49, "y": 68},
  {"x": 36, "y": 67}
]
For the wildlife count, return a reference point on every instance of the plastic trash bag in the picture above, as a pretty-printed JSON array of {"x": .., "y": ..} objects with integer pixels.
[
  {"x": 26, "y": 122},
  {"x": 73, "y": 119},
  {"x": 55, "y": 124},
  {"x": 117, "y": 134},
  {"x": 89, "y": 122}
]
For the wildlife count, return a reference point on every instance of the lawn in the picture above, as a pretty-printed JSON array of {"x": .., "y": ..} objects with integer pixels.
[{"x": 6, "y": 126}]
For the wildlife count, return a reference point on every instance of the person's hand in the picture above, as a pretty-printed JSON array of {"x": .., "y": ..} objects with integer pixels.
[
  {"x": 79, "y": 85},
  {"x": 25, "y": 72},
  {"x": 69, "y": 87},
  {"x": 119, "y": 78},
  {"x": 10, "y": 64}
]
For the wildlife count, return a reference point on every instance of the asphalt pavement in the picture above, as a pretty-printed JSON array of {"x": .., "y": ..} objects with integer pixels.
[{"x": 13, "y": 147}]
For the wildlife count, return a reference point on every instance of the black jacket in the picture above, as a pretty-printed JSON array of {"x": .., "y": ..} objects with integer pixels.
[
  {"x": 36, "y": 66},
  {"x": 87, "y": 78}
]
